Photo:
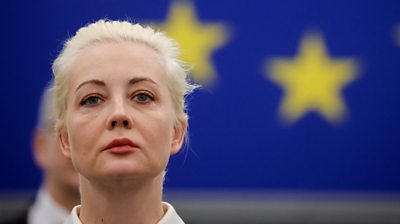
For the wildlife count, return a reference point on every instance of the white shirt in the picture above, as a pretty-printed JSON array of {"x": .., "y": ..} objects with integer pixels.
[
  {"x": 45, "y": 210},
  {"x": 170, "y": 217}
]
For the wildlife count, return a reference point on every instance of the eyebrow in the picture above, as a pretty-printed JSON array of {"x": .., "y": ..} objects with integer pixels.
[
  {"x": 141, "y": 79},
  {"x": 132, "y": 81},
  {"x": 94, "y": 81}
]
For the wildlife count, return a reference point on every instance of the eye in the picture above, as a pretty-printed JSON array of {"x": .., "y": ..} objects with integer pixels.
[
  {"x": 143, "y": 97},
  {"x": 91, "y": 101}
]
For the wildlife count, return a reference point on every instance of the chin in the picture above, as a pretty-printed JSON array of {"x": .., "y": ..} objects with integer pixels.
[{"x": 123, "y": 170}]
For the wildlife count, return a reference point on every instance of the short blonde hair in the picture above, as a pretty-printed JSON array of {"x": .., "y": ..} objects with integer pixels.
[{"x": 118, "y": 31}]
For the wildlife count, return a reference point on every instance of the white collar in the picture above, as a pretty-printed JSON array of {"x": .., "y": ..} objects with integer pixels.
[
  {"x": 45, "y": 210},
  {"x": 170, "y": 217}
]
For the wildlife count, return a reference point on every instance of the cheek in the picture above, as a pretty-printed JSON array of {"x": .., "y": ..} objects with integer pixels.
[
  {"x": 82, "y": 138},
  {"x": 83, "y": 128},
  {"x": 83, "y": 134},
  {"x": 162, "y": 132}
]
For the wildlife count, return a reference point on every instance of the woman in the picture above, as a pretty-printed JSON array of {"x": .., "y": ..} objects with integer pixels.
[{"x": 119, "y": 92}]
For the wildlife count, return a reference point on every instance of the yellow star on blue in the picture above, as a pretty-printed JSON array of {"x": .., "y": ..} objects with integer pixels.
[
  {"x": 312, "y": 81},
  {"x": 196, "y": 39}
]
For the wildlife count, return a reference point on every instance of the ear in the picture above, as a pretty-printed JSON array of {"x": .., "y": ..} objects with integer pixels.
[
  {"x": 179, "y": 136},
  {"x": 39, "y": 148},
  {"x": 63, "y": 141}
]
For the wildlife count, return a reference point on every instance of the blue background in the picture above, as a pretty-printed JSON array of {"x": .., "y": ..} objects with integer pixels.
[{"x": 237, "y": 141}]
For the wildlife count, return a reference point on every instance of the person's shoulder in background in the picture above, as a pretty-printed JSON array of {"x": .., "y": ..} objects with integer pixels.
[{"x": 18, "y": 218}]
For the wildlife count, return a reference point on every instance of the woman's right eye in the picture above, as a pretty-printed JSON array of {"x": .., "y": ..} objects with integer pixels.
[{"x": 91, "y": 101}]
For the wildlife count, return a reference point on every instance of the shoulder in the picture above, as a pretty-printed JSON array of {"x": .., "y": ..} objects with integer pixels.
[{"x": 20, "y": 218}]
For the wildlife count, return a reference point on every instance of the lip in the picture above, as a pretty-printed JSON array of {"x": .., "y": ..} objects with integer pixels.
[{"x": 121, "y": 146}]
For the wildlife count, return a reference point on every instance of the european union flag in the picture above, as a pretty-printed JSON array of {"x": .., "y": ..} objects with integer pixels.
[{"x": 297, "y": 95}]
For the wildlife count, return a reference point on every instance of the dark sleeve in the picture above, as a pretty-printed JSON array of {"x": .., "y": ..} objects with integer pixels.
[{"x": 20, "y": 218}]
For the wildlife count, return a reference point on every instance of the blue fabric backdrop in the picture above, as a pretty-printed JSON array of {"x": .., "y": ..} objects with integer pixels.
[{"x": 242, "y": 137}]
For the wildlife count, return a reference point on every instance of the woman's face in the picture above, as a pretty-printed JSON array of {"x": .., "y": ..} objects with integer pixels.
[{"x": 120, "y": 119}]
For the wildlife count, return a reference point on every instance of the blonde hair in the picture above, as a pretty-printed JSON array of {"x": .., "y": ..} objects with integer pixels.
[{"x": 118, "y": 31}]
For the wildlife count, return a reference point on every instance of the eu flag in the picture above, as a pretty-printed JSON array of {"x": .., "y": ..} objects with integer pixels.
[{"x": 297, "y": 95}]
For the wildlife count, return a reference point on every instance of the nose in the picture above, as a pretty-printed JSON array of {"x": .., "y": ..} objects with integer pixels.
[{"x": 119, "y": 117}]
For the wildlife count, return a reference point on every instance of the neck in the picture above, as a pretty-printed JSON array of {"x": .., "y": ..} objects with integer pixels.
[
  {"x": 66, "y": 196},
  {"x": 120, "y": 202}
]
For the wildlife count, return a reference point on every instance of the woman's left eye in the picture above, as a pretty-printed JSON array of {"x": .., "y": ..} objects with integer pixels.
[{"x": 143, "y": 97}]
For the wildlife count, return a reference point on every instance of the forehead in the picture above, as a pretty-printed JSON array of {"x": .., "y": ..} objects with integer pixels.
[{"x": 109, "y": 60}]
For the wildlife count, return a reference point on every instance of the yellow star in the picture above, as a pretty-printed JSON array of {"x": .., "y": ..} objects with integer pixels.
[
  {"x": 312, "y": 81},
  {"x": 196, "y": 40}
]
